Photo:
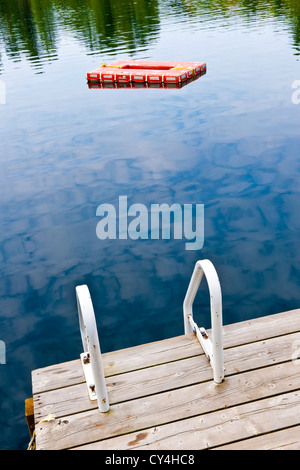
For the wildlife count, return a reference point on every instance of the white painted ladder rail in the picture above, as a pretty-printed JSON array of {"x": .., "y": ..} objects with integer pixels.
[
  {"x": 91, "y": 357},
  {"x": 213, "y": 348}
]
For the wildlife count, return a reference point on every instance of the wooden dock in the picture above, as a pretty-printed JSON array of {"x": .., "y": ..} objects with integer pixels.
[{"x": 163, "y": 397}]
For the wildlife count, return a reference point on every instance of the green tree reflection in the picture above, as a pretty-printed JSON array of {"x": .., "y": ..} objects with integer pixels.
[{"x": 33, "y": 28}]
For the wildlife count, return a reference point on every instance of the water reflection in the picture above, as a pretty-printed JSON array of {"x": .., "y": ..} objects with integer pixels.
[
  {"x": 229, "y": 141},
  {"x": 34, "y": 30}
]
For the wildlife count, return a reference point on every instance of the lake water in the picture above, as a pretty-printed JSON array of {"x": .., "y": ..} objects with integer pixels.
[{"x": 229, "y": 140}]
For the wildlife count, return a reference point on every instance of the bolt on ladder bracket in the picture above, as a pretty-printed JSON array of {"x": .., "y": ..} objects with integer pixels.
[
  {"x": 203, "y": 339},
  {"x": 88, "y": 374},
  {"x": 213, "y": 348}
]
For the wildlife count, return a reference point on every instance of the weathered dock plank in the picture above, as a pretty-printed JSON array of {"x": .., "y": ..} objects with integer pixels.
[
  {"x": 165, "y": 351},
  {"x": 285, "y": 439},
  {"x": 154, "y": 410},
  {"x": 210, "y": 430},
  {"x": 135, "y": 384},
  {"x": 162, "y": 395},
  {"x": 117, "y": 362}
]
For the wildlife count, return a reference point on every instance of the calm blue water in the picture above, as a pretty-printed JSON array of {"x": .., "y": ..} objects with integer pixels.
[{"x": 229, "y": 140}]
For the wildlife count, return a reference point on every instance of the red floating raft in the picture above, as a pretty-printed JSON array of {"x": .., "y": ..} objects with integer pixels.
[
  {"x": 135, "y": 71},
  {"x": 135, "y": 85}
]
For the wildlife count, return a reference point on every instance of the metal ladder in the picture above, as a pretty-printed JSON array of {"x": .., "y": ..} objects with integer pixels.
[{"x": 91, "y": 358}]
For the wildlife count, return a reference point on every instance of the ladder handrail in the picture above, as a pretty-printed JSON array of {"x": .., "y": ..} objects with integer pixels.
[
  {"x": 216, "y": 345},
  {"x": 213, "y": 349},
  {"x": 90, "y": 342}
]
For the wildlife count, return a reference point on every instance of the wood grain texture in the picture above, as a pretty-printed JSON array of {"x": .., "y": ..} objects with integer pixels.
[
  {"x": 285, "y": 439},
  {"x": 162, "y": 352},
  {"x": 211, "y": 430},
  {"x": 162, "y": 394},
  {"x": 132, "y": 385}
]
